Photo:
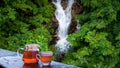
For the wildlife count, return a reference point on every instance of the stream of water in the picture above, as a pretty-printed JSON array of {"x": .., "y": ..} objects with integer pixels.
[{"x": 64, "y": 19}]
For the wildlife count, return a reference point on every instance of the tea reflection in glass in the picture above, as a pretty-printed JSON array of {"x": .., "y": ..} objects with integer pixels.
[{"x": 34, "y": 65}]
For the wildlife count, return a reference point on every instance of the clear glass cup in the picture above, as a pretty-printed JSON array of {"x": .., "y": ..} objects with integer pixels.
[
  {"x": 30, "y": 51},
  {"x": 45, "y": 57}
]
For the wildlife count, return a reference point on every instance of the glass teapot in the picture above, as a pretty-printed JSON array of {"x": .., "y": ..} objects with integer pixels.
[{"x": 30, "y": 51}]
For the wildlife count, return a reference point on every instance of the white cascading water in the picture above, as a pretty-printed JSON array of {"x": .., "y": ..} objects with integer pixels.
[{"x": 64, "y": 19}]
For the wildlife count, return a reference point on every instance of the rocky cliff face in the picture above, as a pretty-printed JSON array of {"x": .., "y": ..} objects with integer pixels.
[{"x": 76, "y": 9}]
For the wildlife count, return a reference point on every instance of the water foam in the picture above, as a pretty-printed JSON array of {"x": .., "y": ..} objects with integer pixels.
[{"x": 64, "y": 18}]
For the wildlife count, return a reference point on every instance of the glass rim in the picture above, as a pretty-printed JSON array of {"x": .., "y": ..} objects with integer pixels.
[
  {"x": 32, "y": 44},
  {"x": 46, "y": 53}
]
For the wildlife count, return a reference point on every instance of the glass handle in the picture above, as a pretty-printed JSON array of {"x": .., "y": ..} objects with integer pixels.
[
  {"x": 38, "y": 57},
  {"x": 18, "y": 51}
]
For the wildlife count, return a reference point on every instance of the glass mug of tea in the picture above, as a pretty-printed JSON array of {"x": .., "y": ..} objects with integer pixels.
[
  {"x": 30, "y": 52},
  {"x": 45, "y": 57}
]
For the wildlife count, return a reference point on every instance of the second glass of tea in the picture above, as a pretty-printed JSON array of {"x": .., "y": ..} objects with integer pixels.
[{"x": 45, "y": 57}]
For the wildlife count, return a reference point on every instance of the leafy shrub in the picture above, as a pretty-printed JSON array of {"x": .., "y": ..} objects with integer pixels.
[
  {"x": 96, "y": 44},
  {"x": 24, "y": 22}
]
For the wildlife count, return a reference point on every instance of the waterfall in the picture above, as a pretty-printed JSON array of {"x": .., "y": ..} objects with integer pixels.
[{"x": 64, "y": 19}]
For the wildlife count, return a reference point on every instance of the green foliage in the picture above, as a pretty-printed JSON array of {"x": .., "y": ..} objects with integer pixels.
[
  {"x": 97, "y": 43},
  {"x": 25, "y": 22}
]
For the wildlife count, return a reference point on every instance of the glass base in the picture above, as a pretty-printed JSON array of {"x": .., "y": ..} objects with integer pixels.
[{"x": 46, "y": 63}]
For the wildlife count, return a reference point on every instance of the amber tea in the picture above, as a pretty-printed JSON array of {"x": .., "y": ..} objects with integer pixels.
[
  {"x": 30, "y": 57},
  {"x": 30, "y": 51},
  {"x": 45, "y": 57}
]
